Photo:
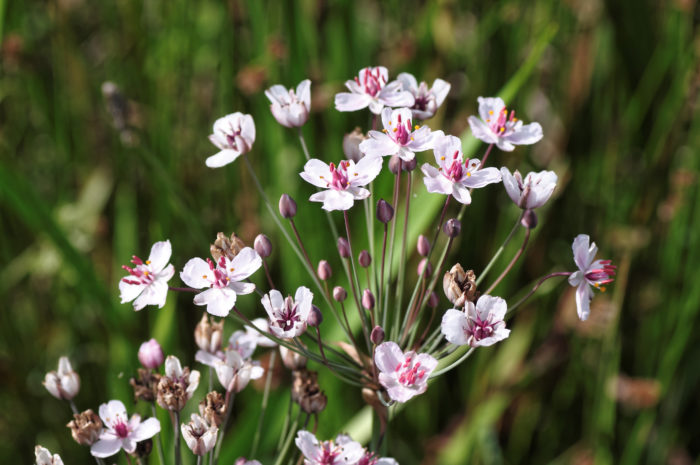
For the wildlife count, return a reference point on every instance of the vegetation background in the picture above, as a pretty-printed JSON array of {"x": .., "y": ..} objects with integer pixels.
[{"x": 614, "y": 84}]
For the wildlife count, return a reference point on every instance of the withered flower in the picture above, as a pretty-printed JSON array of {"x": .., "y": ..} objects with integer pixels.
[
  {"x": 199, "y": 435},
  {"x": 85, "y": 427},
  {"x": 208, "y": 335},
  {"x": 213, "y": 408},
  {"x": 223, "y": 246},
  {"x": 143, "y": 448},
  {"x": 145, "y": 385},
  {"x": 177, "y": 386},
  {"x": 306, "y": 391},
  {"x": 460, "y": 286}
]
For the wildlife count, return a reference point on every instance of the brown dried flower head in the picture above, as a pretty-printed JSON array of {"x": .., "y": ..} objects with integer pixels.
[
  {"x": 176, "y": 387},
  {"x": 306, "y": 391},
  {"x": 143, "y": 448},
  {"x": 145, "y": 385},
  {"x": 85, "y": 427},
  {"x": 208, "y": 335},
  {"x": 225, "y": 247},
  {"x": 213, "y": 408},
  {"x": 460, "y": 286}
]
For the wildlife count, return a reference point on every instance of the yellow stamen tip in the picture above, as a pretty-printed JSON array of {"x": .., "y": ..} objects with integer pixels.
[
  {"x": 395, "y": 129},
  {"x": 384, "y": 130},
  {"x": 469, "y": 174},
  {"x": 417, "y": 127},
  {"x": 204, "y": 276},
  {"x": 412, "y": 138},
  {"x": 602, "y": 289},
  {"x": 148, "y": 262},
  {"x": 442, "y": 158},
  {"x": 490, "y": 112},
  {"x": 356, "y": 174},
  {"x": 231, "y": 269},
  {"x": 488, "y": 120}
]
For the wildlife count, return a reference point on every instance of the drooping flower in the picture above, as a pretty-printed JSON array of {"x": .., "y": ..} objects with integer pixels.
[
  {"x": 342, "y": 451},
  {"x": 148, "y": 281},
  {"x": 399, "y": 137},
  {"x": 427, "y": 100},
  {"x": 288, "y": 316},
  {"x": 477, "y": 325},
  {"x": 456, "y": 176},
  {"x": 403, "y": 375},
  {"x": 177, "y": 386},
  {"x": 344, "y": 181},
  {"x": 235, "y": 373},
  {"x": 44, "y": 457},
  {"x": 370, "y": 88},
  {"x": 234, "y": 135},
  {"x": 121, "y": 432},
  {"x": 151, "y": 354},
  {"x": 290, "y": 109},
  {"x": 497, "y": 127},
  {"x": 590, "y": 273},
  {"x": 531, "y": 192},
  {"x": 62, "y": 384},
  {"x": 199, "y": 435},
  {"x": 222, "y": 279}
]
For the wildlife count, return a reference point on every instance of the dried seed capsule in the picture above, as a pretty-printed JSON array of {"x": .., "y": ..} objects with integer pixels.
[
  {"x": 85, "y": 427},
  {"x": 287, "y": 206},
  {"x": 226, "y": 247},
  {"x": 262, "y": 245}
]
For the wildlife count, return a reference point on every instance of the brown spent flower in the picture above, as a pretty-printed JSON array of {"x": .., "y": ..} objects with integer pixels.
[
  {"x": 223, "y": 246},
  {"x": 306, "y": 391},
  {"x": 213, "y": 408},
  {"x": 143, "y": 448},
  {"x": 207, "y": 335},
  {"x": 85, "y": 427},
  {"x": 292, "y": 360},
  {"x": 176, "y": 387},
  {"x": 145, "y": 385},
  {"x": 460, "y": 286}
]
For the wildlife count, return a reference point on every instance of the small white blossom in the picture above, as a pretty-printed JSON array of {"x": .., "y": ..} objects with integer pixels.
[
  {"x": 288, "y": 316},
  {"x": 478, "y": 325},
  {"x": 62, "y": 384},
  {"x": 235, "y": 373},
  {"x": 234, "y": 135},
  {"x": 44, "y": 457},
  {"x": 403, "y": 375},
  {"x": 290, "y": 109},
  {"x": 121, "y": 432},
  {"x": 531, "y": 192},
  {"x": 344, "y": 182},
  {"x": 199, "y": 436},
  {"x": 496, "y": 127},
  {"x": 590, "y": 273},
  {"x": 427, "y": 100},
  {"x": 147, "y": 282},
  {"x": 370, "y": 89},
  {"x": 342, "y": 451}
]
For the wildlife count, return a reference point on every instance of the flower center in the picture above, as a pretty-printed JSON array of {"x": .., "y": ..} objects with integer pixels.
[
  {"x": 233, "y": 138},
  {"x": 372, "y": 81},
  {"x": 408, "y": 373},
  {"x": 602, "y": 276},
  {"x": 339, "y": 176},
  {"x": 480, "y": 329},
  {"x": 121, "y": 429},
  {"x": 456, "y": 169},
  {"x": 328, "y": 453},
  {"x": 402, "y": 131},
  {"x": 502, "y": 122},
  {"x": 220, "y": 277},
  {"x": 141, "y": 273}
]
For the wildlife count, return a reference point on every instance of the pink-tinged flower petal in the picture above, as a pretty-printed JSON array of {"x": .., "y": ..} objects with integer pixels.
[
  {"x": 160, "y": 255},
  {"x": 388, "y": 356},
  {"x": 584, "y": 251},
  {"x": 303, "y": 92},
  {"x": 440, "y": 89},
  {"x": 445, "y": 148},
  {"x": 244, "y": 264},
  {"x": 481, "y": 131},
  {"x": 434, "y": 181},
  {"x": 345, "y": 101},
  {"x": 317, "y": 173},
  {"x": 303, "y": 297},
  {"x": 197, "y": 273},
  {"x": 145, "y": 430},
  {"x": 106, "y": 447},
  {"x": 173, "y": 367},
  {"x": 408, "y": 81},
  {"x": 454, "y": 326},
  {"x": 155, "y": 294},
  {"x": 525, "y": 135},
  {"x": 461, "y": 194},
  {"x": 334, "y": 200},
  {"x": 576, "y": 278},
  {"x": 424, "y": 139},
  {"x": 511, "y": 185},
  {"x": 277, "y": 94},
  {"x": 483, "y": 177},
  {"x": 504, "y": 145},
  {"x": 367, "y": 169},
  {"x": 358, "y": 193},
  {"x": 375, "y": 106},
  {"x": 219, "y": 302},
  {"x": 206, "y": 358},
  {"x": 378, "y": 145},
  {"x": 308, "y": 444},
  {"x": 392, "y": 96},
  {"x": 128, "y": 292},
  {"x": 222, "y": 158},
  {"x": 272, "y": 300},
  {"x": 111, "y": 411},
  {"x": 584, "y": 295},
  {"x": 490, "y": 106},
  {"x": 241, "y": 288},
  {"x": 192, "y": 383},
  {"x": 387, "y": 118},
  {"x": 248, "y": 130},
  {"x": 491, "y": 305}
]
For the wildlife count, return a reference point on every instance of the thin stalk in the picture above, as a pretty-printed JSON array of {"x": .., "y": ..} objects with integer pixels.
[
  {"x": 159, "y": 441},
  {"x": 211, "y": 379},
  {"x": 175, "y": 417},
  {"x": 539, "y": 283},
  {"x": 288, "y": 441},
  {"x": 345, "y": 315},
  {"x": 303, "y": 144},
  {"x": 402, "y": 262},
  {"x": 267, "y": 274},
  {"x": 301, "y": 244},
  {"x": 230, "y": 395},
  {"x": 354, "y": 274},
  {"x": 395, "y": 199},
  {"x": 486, "y": 156},
  {"x": 500, "y": 250},
  {"x": 263, "y": 408},
  {"x": 453, "y": 365},
  {"x": 512, "y": 262},
  {"x": 128, "y": 458},
  {"x": 183, "y": 289},
  {"x": 199, "y": 460},
  {"x": 381, "y": 279},
  {"x": 73, "y": 407},
  {"x": 285, "y": 425}
]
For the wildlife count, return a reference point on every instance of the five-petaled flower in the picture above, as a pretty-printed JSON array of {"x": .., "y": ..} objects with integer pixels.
[
  {"x": 497, "y": 127},
  {"x": 403, "y": 375},
  {"x": 344, "y": 181},
  {"x": 288, "y": 316},
  {"x": 427, "y": 100},
  {"x": 290, "y": 109},
  {"x": 342, "y": 451},
  {"x": 531, "y": 192},
  {"x": 596, "y": 273},
  {"x": 399, "y": 137},
  {"x": 234, "y": 135},
  {"x": 477, "y": 325},
  {"x": 148, "y": 281},
  {"x": 455, "y": 176},
  {"x": 121, "y": 432},
  {"x": 370, "y": 88},
  {"x": 222, "y": 279}
]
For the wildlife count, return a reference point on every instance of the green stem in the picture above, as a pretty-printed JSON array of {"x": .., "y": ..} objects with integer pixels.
[
  {"x": 500, "y": 250},
  {"x": 266, "y": 395},
  {"x": 159, "y": 441},
  {"x": 288, "y": 442},
  {"x": 230, "y": 395}
]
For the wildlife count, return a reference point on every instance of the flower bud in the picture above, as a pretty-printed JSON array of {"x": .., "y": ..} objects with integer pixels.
[
  {"x": 433, "y": 300},
  {"x": 292, "y": 360},
  {"x": 351, "y": 145},
  {"x": 288, "y": 207},
  {"x": 262, "y": 245},
  {"x": 306, "y": 391},
  {"x": 364, "y": 258},
  {"x": 377, "y": 335},
  {"x": 199, "y": 435},
  {"x": 226, "y": 247},
  {"x": 423, "y": 246},
  {"x": 85, "y": 427},
  {"x": 324, "y": 270},
  {"x": 343, "y": 247},
  {"x": 64, "y": 383},
  {"x": 213, "y": 408},
  {"x": 367, "y": 299},
  {"x": 395, "y": 164},
  {"x": 425, "y": 268},
  {"x": 339, "y": 294},
  {"x": 385, "y": 212},
  {"x": 529, "y": 220},
  {"x": 315, "y": 317},
  {"x": 151, "y": 354},
  {"x": 409, "y": 165},
  {"x": 452, "y": 227}
]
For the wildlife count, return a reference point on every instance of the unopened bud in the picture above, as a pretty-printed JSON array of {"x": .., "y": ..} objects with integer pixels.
[
  {"x": 364, "y": 258},
  {"x": 208, "y": 335},
  {"x": 324, "y": 270},
  {"x": 423, "y": 246},
  {"x": 151, "y": 354},
  {"x": 425, "y": 268},
  {"x": 377, "y": 335},
  {"x": 85, "y": 427},
  {"x": 529, "y": 219},
  {"x": 409, "y": 165},
  {"x": 395, "y": 164},
  {"x": 339, "y": 294},
  {"x": 343, "y": 247},
  {"x": 292, "y": 360},
  {"x": 315, "y": 317},
  {"x": 452, "y": 227},
  {"x": 385, "y": 212},
  {"x": 433, "y": 300},
  {"x": 351, "y": 145},
  {"x": 64, "y": 383},
  {"x": 262, "y": 245},
  {"x": 367, "y": 299},
  {"x": 288, "y": 207}
]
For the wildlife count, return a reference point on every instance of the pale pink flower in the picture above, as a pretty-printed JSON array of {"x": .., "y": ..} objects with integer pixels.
[
  {"x": 234, "y": 135},
  {"x": 497, "y": 127},
  {"x": 399, "y": 136},
  {"x": 151, "y": 354},
  {"x": 403, "y": 375},
  {"x": 44, "y": 457},
  {"x": 261, "y": 340},
  {"x": 478, "y": 325},
  {"x": 531, "y": 192},
  {"x": 590, "y": 273},
  {"x": 121, "y": 432},
  {"x": 288, "y": 316},
  {"x": 342, "y": 451},
  {"x": 427, "y": 100},
  {"x": 148, "y": 281},
  {"x": 199, "y": 435},
  {"x": 290, "y": 109},
  {"x": 370, "y": 88},
  {"x": 222, "y": 279},
  {"x": 240, "y": 341},
  {"x": 235, "y": 373},
  {"x": 62, "y": 384},
  {"x": 454, "y": 175},
  {"x": 344, "y": 182}
]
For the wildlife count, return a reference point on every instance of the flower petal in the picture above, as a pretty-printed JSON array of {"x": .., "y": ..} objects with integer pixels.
[
  {"x": 222, "y": 158},
  {"x": 245, "y": 263},
  {"x": 197, "y": 273},
  {"x": 345, "y": 101},
  {"x": 160, "y": 255},
  {"x": 388, "y": 356},
  {"x": 481, "y": 131},
  {"x": 146, "y": 429},
  {"x": 106, "y": 447},
  {"x": 317, "y": 173},
  {"x": 454, "y": 327}
]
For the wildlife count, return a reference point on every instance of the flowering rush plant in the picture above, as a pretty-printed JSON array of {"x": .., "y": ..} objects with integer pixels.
[{"x": 401, "y": 332}]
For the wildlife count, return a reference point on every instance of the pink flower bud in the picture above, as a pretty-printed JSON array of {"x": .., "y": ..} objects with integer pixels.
[
  {"x": 529, "y": 220},
  {"x": 377, "y": 335},
  {"x": 324, "y": 270},
  {"x": 367, "y": 299},
  {"x": 364, "y": 258},
  {"x": 433, "y": 300},
  {"x": 343, "y": 247},
  {"x": 339, "y": 294},
  {"x": 425, "y": 268},
  {"x": 151, "y": 354},
  {"x": 385, "y": 212},
  {"x": 315, "y": 317},
  {"x": 262, "y": 245},
  {"x": 423, "y": 246},
  {"x": 287, "y": 206},
  {"x": 452, "y": 227}
]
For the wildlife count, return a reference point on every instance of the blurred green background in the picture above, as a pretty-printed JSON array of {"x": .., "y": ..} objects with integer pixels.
[{"x": 85, "y": 184}]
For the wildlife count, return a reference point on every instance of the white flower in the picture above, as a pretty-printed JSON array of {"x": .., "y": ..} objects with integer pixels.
[
  {"x": 234, "y": 134},
  {"x": 261, "y": 324},
  {"x": 189, "y": 379},
  {"x": 531, "y": 192},
  {"x": 427, "y": 100},
  {"x": 222, "y": 279},
  {"x": 478, "y": 325},
  {"x": 290, "y": 109},
  {"x": 234, "y": 372},
  {"x": 288, "y": 316},
  {"x": 455, "y": 176},
  {"x": 399, "y": 136},
  {"x": 148, "y": 281},
  {"x": 63, "y": 384},
  {"x": 590, "y": 273},
  {"x": 496, "y": 127},
  {"x": 344, "y": 182},
  {"x": 120, "y": 431},
  {"x": 44, "y": 457},
  {"x": 199, "y": 435},
  {"x": 403, "y": 375},
  {"x": 342, "y": 451},
  {"x": 370, "y": 88}
]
